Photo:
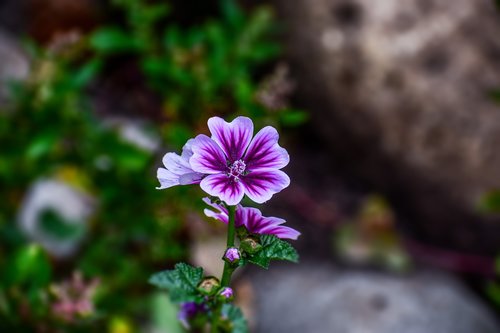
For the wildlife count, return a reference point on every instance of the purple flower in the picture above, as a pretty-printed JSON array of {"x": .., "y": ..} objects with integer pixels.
[
  {"x": 235, "y": 164},
  {"x": 188, "y": 311},
  {"x": 252, "y": 220},
  {"x": 177, "y": 170},
  {"x": 232, "y": 254},
  {"x": 227, "y": 292}
]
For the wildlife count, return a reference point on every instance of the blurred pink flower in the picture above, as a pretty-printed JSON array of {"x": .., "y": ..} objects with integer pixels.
[{"x": 74, "y": 298}]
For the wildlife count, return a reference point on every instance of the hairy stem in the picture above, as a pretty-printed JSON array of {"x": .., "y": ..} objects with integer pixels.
[{"x": 228, "y": 270}]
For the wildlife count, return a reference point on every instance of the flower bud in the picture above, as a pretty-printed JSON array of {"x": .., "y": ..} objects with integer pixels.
[
  {"x": 232, "y": 255},
  {"x": 242, "y": 232},
  {"x": 226, "y": 294},
  {"x": 251, "y": 244},
  {"x": 209, "y": 285}
]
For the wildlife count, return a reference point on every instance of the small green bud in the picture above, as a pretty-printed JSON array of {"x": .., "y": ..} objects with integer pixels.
[
  {"x": 251, "y": 244},
  {"x": 209, "y": 285},
  {"x": 242, "y": 232}
]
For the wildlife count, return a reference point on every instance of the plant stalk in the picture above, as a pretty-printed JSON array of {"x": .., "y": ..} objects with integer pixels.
[{"x": 228, "y": 270}]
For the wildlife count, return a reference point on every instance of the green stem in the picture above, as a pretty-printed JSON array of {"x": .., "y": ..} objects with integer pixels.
[{"x": 228, "y": 270}]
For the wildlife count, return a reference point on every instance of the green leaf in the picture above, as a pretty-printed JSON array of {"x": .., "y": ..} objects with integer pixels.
[
  {"x": 164, "y": 314},
  {"x": 234, "y": 321},
  {"x": 109, "y": 40},
  {"x": 87, "y": 73},
  {"x": 493, "y": 292},
  {"x": 28, "y": 266},
  {"x": 273, "y": 248},
  {"x": 489, "y": 203},
  {"x": 292, "y": 118},
  {"x": 58, "y": 228},
  {"x": 233, "y": 13},
  {"x": 41, "y": 145},
  {"x": 181, "y": 282}
]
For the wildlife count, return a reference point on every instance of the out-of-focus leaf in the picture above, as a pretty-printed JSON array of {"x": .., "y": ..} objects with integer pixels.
[
  {"x": 41, "y": 145},
  {"x": 493, "y": 291},
  {"x": 234, "y": 321},
  {"x": 177, "y": 134},
  {"x": 108, "y": 40},
  {"x": 29, "y": 265},
  {"x": 55, "y": 226},
  {"x": 233, "y": 13},
  {"x": 292, "y": 118},
  {"x": 87, "y": 73},
  {"x": 490, "y": 202},
  {"x": 164, "y": 314}
]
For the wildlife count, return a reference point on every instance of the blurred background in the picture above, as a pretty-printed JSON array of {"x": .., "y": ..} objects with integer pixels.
[{"x": 389, "y": 109}]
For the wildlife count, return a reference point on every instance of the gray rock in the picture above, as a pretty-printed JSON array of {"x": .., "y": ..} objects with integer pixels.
[
  {"x": 14, "y": 64},
  {"x": 320, "y": 298},
  {"x": 400, "y": 90}
]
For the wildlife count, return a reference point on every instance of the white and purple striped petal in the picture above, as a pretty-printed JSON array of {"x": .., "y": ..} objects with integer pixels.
[
  {"x": 223, "y": 187},
  {"x": 256, "y": 223},
  {"x": 261, "y": 185},
  {"x": 208, "y": 157},
  {"x": 219, "y": 213},
  {"x": 264, "y": 151},
  {"x": 233, "y": 137},
  {"x": 253, "y": 221},
  {"x": 278, "y": 230},
  {"x": 177, "y": 171}
]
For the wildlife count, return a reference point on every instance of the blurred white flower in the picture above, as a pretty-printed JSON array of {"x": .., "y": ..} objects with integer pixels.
[
  {"x": 55, "y": 215},
  {"x": 134, "y": 132}
]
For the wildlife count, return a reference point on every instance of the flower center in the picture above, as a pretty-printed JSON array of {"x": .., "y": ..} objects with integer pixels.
[{"x": 236, "y": 170}]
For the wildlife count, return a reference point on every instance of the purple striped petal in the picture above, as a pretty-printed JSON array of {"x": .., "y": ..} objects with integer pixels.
[
  {"x": 219, "y": 213},
  {"x": 261, "y": 185},
  {"x": 255, "y": 223},
  {"x": 233, "y": 137},
  {"x": 187, "y": 150},
  {"x": 166, "y": 178},
  {"x": 177, "y": 171},
  {"x": 207, "y": 156},
  {"x": 273, "y": 228},
  {"x": 225, "y": 188},
  {"x": 190, "y": 178},
  {"x": 264, "y": 151},
  {"x": 176, "y": 164}
]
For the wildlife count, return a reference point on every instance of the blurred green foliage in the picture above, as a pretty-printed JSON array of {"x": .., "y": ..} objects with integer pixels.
[{"x": 49, "y": 130}]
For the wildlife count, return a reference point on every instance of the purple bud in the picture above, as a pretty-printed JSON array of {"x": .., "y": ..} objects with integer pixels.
[
  {"x": 232, "y": 255},
  {"x": 188, "y": 311},
  {"x": 227, "y": 292}
]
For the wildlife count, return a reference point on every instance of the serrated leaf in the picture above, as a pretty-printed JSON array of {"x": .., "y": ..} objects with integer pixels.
[
  {"x": 234, "y": 318},
  {"x": 180, "y": 282},
  {"x": 273, "y": 248}
]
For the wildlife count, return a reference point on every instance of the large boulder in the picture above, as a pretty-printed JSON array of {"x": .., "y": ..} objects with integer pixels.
[
  {"x": 315, "y": 297},
  {"x": 401, "y": 90}
]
